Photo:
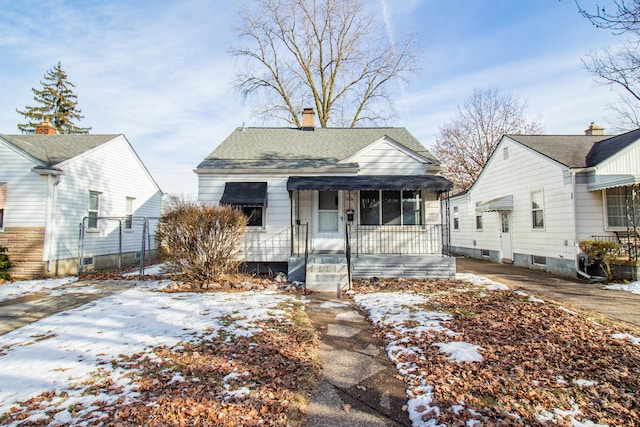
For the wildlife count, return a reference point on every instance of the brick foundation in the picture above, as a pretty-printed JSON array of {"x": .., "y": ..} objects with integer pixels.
[{"x": 25, "y": 247}]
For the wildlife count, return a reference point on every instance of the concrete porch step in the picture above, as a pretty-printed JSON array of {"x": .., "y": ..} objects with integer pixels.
[{"x": 326, "y": 273}]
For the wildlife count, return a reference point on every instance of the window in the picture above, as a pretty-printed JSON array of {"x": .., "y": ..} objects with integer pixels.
[
  {"x": 128, "y": 223},
  {"x": 456, "y": 219},
  {"x": 616, "y": 199},
  {"x": 537, "y": 209},
  {"x": 328, "y": 211},
  {"x": 484, "y": 253},
  {"x": 539, "y": 260},
  {"x": 248, "y": 197},
  {"x": 254, "y": 215},
  {"x": 391, "y": 207},
  {"x": 3, "y": 203},
  {"x": 478, "y": 219},
  {"x": 94, "y": 209}
]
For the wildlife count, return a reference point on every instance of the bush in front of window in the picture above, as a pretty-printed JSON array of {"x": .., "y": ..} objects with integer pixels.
[
  {"x": 602, "y": 253},
  {"x": 5, "y": 264},
  {"x": 200, "y": 242}
]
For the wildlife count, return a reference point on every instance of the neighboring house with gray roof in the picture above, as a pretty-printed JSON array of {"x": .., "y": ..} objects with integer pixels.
[
  {"x": 539, "y": 195},
  {"x": 49, "y": 183},
  {"x": 317, "y": 189}
]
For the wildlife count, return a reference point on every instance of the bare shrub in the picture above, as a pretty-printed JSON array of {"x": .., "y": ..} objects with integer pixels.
[{"x": 201, "y": 242}]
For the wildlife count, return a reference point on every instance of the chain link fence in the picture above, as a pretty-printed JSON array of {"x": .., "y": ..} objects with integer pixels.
[{"x": 117, "y": 243}]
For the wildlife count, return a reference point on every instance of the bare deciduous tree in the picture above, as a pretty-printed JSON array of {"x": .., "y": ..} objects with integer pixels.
[
  {"x": 329, "y": 54},
  {"x": 466, "y": 142},
  {"x": 619, "y": 67}
]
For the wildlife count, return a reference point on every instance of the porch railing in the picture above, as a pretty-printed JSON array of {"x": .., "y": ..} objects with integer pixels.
[
  {"x": 629, "y": 245},
  {"x": 396, "y": 239}
]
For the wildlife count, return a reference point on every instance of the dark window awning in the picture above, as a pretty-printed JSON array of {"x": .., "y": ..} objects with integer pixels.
[
  {"x": 500, "y": 204},
  {"x": 370, "y": 182},
  {"x": 245, "y": 194}
]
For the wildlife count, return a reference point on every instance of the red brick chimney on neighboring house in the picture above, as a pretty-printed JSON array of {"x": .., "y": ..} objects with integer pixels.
[
  {"x": 45, "y": 128},
  {"x": 308, "y": 119},
  {"x": 594, "y": 129}
]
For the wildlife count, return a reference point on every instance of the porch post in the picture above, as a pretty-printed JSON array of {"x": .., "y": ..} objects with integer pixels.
[{"x": 291, "y": 219}]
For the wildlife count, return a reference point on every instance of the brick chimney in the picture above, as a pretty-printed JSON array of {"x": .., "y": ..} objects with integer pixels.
[
  {"x": 594, "y": 129},
  {"x": 308, "y": 119},
  {"x": 45, "y": 128}
]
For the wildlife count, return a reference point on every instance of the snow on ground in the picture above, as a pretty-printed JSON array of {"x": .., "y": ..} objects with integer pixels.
[
  {"x": 26, "y": 287},
  {"x": 633, "y": 287},
  {"x": 61, "y": 351}
]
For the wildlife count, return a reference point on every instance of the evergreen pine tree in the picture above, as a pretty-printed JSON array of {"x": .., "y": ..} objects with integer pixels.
[{"x": 55, "y": 102}]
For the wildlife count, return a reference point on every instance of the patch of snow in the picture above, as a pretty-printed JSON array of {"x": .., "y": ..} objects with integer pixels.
[
  {"x": 482, "y": 281},
  {"x": 585, "y": 383},
  {"x": 634, "y": 340},
  {"x": 633, "y": 287},
  {"x": 460, "y": 351},
  {"x": 536, "y": 300},
  {"x": 21, "y": 288}
]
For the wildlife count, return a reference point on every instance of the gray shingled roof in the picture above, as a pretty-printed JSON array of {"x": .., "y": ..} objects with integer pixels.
[
  {"x": 54, "y": 149},
  {"x": 276, "y": 148},
  {"x": 578, "y": 151}
]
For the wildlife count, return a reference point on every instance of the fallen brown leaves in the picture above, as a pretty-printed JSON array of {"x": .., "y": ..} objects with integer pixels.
[
  {"x": 261, "y": 380},
  {"x": 538, "y": 358}
]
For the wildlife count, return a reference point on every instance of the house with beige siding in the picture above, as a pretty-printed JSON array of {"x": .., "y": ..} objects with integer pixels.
[
  {"x": 539, "y": 195},
  {"x": 52, "y": 185},
  {"x": 325, "y": 203}
]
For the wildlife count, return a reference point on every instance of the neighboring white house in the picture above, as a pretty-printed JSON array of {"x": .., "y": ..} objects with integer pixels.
[
  {"x": 539, "y": 195},
  {"x": 50, "y": 182},
  {"x": 316, "y": 189}
]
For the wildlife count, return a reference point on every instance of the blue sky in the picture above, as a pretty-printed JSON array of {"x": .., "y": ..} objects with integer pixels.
[{"x": 158, "y": 70}]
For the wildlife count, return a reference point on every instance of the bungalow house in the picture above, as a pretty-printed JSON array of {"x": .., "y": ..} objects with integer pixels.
[
  {"x": 50, "y": 184},
  {"x": 324, "y": 203},
  {"x": 539, "y": 195}
]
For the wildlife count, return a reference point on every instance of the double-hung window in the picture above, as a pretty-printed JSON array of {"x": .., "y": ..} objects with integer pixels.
[
  {"x": 128, "y": 214},
  {"x": 456, "y": 218},
  {"x": 390, "y": 207},
  {"x": 478, "y": 218},
  {"x": 94, "y": 210},
  {"x": 537, "y": 210}
]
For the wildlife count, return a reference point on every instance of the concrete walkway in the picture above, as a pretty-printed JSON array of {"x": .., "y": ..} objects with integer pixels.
[
  {"x": 359, "y": 386},
  {"x": 620, "y": 306}
]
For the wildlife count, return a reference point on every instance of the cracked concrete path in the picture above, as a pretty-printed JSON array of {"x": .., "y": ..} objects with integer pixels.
[{"x": 359, "y": 386}]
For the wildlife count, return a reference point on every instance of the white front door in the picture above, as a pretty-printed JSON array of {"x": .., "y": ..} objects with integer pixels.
[
  {"x": 328, "y": 224},
  {"x": 506, "y": 253}
]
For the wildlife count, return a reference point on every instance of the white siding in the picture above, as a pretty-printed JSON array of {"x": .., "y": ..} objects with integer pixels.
[
  {"x": 626, "y": 162},
  {"x": 384, "y": 158},
  {"x": 522, "y": 173},
  {"x": 26, "y": 190},
  {"x": 112, "y": 169},
  {"x": 271, "y": 244}
]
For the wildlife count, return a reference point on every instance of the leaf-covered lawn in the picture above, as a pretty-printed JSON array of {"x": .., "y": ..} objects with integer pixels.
[{"x": 473, "y": 356}]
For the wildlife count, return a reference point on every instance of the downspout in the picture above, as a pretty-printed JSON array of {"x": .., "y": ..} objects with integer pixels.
[{"x": 575, "y": 226}]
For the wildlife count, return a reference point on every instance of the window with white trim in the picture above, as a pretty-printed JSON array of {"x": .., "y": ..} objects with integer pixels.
[
  {"x": 537, "y": 209},
  {"x": 93, "y": 210},
  {"x": 456, "y": 219},
  {"x": 390, "y": 207},
  {"x": 128, "y": 213},
  {"x": 616, "y": 200},
  {"x": 478, "y": 218}
]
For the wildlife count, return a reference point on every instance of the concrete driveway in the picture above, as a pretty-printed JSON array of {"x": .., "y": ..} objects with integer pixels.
[{"x": 617, "y": 305}]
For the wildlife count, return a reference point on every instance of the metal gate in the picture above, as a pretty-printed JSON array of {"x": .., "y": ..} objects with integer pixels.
[{"x": 116, "y": 243}]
